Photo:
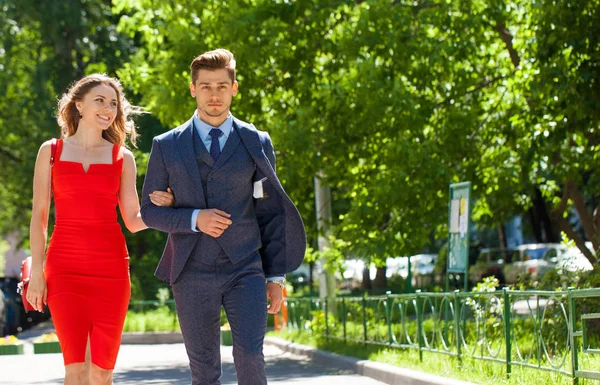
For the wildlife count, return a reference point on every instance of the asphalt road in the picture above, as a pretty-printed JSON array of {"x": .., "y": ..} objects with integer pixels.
[{"x": 167, "y": 364}]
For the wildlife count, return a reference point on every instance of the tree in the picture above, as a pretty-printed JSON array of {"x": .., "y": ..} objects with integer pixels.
[
  {"x": 392, "y": 101},
  {"x": 43, "y": 50}
]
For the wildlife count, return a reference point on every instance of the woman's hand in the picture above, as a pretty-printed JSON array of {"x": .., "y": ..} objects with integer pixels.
[
  {"x": 37, "y": 292},
  {"x": 162, "y": 198}
]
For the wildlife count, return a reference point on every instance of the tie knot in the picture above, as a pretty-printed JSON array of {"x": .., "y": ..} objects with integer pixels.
[{"x": 215, "y": 133}]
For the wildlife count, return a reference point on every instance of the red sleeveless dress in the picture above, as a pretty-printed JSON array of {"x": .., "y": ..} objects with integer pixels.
[{"x": 87, "y": 263}]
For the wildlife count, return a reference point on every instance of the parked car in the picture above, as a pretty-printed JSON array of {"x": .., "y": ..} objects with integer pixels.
[
  {"x": 574, "y": 261},
  {"x": 508, "y": 264},
  {"x": 15, "y": 319},
  {"x": 422, "y": 266},
  {"x": 397, "y": 266},
  {"x": 490, "y": 263},
  {"x": 535, "y": 259}
]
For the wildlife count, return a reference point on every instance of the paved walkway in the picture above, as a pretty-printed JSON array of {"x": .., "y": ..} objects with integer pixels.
[{"x": 167, "y": 364}]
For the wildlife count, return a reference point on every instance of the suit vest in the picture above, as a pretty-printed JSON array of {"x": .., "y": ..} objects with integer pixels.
[{"x": 228, "y": 186}]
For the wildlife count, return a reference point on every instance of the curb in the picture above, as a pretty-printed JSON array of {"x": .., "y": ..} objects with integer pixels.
[
  {"x": 386, "y": 373},
  {"x": 152, "y": 338}
]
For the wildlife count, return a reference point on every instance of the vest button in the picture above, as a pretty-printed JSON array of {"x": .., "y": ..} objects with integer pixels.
[
  {"x": 210, "y": 195},
  {"x": 209, "y": 179}
]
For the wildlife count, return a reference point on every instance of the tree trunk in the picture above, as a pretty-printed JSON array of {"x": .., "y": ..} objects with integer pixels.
[
  {"x": 502, "y": 237},
  {"x": 311, "y": 278},
  {"x": 366, "y": 280},
  {"x": 544, "y": 218},
  {"x": 535, "y": 225},
  {"x": 572, "y": 192},
  {"x": 585, "y": 217},
  {"x": 380, "y": 282}
]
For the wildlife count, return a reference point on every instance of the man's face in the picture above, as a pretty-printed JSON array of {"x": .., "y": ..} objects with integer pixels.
[{"x": 213, "y": 92}]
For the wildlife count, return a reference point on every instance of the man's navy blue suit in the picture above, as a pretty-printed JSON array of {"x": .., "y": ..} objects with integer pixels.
[{"x": 266, "y": 239}]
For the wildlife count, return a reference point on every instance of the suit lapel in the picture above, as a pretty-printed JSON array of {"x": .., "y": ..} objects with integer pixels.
[
  {"x": 252, "y": 142},
  {"x": 203, "y": 152},
  {"x": 185, "y": 146}
]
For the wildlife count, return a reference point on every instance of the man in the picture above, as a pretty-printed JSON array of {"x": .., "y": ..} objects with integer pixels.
[{"x": 232, "y": 225}]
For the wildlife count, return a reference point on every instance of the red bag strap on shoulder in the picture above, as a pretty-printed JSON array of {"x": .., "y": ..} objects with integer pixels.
[
  {"x": 53, "y": 146},
  {"x": 52, "y": 151}
]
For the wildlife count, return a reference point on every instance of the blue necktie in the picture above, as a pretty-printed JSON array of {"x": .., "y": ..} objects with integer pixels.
[{"x": 215, "y": 149}]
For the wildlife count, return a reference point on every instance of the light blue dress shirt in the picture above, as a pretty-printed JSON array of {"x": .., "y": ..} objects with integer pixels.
[{"x": 203, "y": 129}]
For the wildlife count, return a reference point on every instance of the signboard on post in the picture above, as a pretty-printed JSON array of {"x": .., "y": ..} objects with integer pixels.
[{"x": 459, "y": 229}]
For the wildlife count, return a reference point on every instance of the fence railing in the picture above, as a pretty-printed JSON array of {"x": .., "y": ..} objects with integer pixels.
[{"x": 547, "y": 330}]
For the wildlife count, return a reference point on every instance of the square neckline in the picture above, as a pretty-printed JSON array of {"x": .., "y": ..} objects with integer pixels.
[{"x": 114, "y": 159}]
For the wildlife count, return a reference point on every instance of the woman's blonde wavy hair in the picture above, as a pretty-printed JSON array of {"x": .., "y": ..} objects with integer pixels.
[{"x": 68, "y": 115}]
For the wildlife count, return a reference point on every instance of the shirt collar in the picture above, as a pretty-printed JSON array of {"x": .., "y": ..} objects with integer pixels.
[{"x": 203, "y": 128}]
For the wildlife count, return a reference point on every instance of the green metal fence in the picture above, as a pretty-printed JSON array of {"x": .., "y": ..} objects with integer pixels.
[{"x": 546, "y": 330}]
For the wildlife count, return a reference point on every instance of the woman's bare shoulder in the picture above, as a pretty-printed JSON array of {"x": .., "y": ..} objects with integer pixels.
[{"x": 45, "y": 149}]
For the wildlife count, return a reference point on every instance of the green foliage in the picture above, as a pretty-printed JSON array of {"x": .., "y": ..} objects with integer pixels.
[
  {"x": 43, "y": 50},
  {"x": 4, "y": 247},
  {"x": 144, "y": 285},
  {"x": 161, "y": 318},
  {"x": 424, "y": 97},
  {"x": 390, "y": 101},
  {"x": 562, "y": 280},
  {"x": 487, "y": 285},
  {"x": 333, "y": 256},
  {"x": 317, "y": 324}
]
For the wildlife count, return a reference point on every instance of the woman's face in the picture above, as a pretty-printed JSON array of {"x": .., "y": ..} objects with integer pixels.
[{"x": 99, "y": 107}]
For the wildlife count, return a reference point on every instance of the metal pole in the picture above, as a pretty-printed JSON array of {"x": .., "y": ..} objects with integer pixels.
[
  {"x": 388, "y": 310},
  {"x": 344, "y": 318},
  {"x": 409, "y": 288},
  {"x": 419, "y": 324},
  {"x": 572, "y": 331},
  {"x": 507, "y": 334},
  {"x": 364, "y": 314},
  {"x": 326, "y": 319},
  {"x": 323, "y": 208},
  {"x": 457, "y": 315}
]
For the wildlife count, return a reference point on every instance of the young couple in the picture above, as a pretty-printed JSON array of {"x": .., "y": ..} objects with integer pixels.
[{"x": 210, "y": 184}]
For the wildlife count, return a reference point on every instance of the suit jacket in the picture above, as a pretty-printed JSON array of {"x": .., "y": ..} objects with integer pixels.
[{"x": 170, "y": 166}]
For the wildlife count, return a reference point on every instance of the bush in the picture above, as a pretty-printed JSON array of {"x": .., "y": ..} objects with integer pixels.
[{"x": 144, "y": 285}]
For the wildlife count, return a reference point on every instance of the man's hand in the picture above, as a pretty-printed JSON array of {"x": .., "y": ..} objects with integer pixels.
[
  {"x": 213, "y": 222},
  {"x": 275, "y": 294}
]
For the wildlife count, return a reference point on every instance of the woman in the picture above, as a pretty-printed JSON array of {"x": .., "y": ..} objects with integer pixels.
[{"x": 85, "y": 280}]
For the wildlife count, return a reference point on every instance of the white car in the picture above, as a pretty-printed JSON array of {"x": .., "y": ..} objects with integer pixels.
[
  {"x": 535, "y": 259},
  {"x": 573, "y": 260}
]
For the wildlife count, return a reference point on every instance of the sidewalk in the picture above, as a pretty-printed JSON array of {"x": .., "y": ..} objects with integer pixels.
[
  {"x": 168, "y": 364},
  {"x": 160, "y": 358},
  {"x": 385, "y": 373}
]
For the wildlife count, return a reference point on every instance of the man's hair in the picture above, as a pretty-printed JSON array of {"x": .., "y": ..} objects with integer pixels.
[{"x": 214, "y": 60}]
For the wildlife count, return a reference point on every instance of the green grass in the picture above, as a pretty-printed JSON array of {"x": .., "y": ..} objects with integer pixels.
[
  {"x": 471, "y": 370},
  {"x": 159, "y": 319}
]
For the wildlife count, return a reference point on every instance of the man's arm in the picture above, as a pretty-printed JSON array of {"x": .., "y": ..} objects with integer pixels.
[
  {"x": 167, "y": 219},
  {"x": 269, "y": 151},
  {"x": 268, "y": 211}
]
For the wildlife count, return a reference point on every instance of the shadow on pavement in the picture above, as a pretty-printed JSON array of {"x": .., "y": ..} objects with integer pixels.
[
  {"x": 286, "y": 369},
  {"x": 280, "y": 370}
]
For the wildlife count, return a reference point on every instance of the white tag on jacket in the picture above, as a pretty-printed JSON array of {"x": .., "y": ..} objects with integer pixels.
[{"x": 258, "y": 189}]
